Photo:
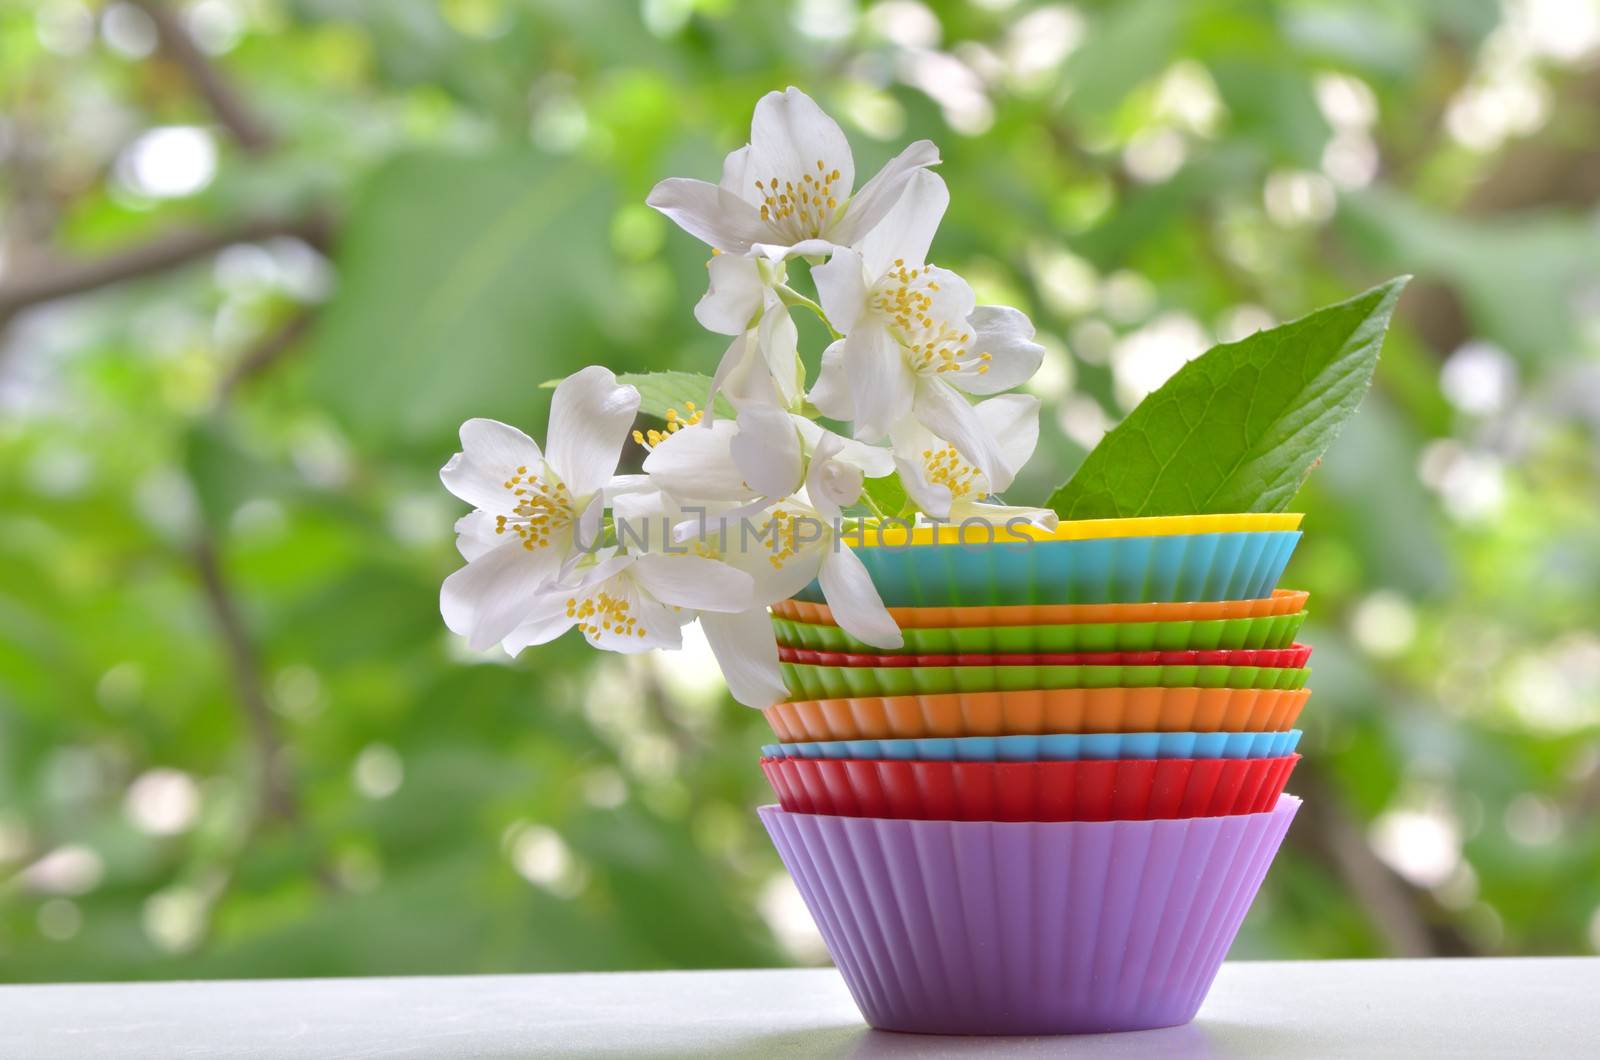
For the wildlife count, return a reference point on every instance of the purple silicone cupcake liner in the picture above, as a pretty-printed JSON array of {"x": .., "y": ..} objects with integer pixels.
[{"x": 951, "y": 927}]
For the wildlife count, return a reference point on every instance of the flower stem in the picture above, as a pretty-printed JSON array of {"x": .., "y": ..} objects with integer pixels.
[{"x": 789, "y": 296}]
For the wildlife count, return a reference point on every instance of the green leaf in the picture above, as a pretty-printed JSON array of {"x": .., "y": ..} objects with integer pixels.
[
  {"x": 888, "y": 493},
  {"x": 1238, "y": 428},
  {"x": 1514, "y": 273},
  {"x": 465, "y": 280},
  {"x": 1136, "y": 43},
  {"x": 660, "y": 391},
  {"x": 224, "y": 474},
  {"x": 1270, "y": 95}
]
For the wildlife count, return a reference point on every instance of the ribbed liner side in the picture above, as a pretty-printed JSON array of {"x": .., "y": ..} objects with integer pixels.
[
  {"x": 1038, "y": 711},
  {"x": 1280, "y": 602},
  {"x": 811, "y": 681},
  {"x": 1233, "y": 634},
  {"x": 1056, "y": 747},
  {"x": 1100, "y": 790},
  {"x": 1291, "y": 656},
  {"x": 944, "y": 927},
  {"x": 1179, "y": 568}
]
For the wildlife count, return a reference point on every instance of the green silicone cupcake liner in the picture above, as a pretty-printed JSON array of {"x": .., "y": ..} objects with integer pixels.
[
  {"x": 806, "y": 681},
  {"x": 1271, "y": 631}
]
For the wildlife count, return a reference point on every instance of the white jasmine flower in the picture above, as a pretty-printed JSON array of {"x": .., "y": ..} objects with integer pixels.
[
  {"x": 743, "y": 642},
  {"x": 947, "y": 486},
  {"x": 764, "y": 453},
  {"x": 633, "y": 602},
  {"x": 535, "y": 507},
  {"x": 837, "y": 471},
  {"x": 781, "y": 551},
  {"x": 734, "y": 514},
  {"x": 913, "y": 338},
  {"x": 788, "y": 191},
  {"x": 795, "y": 542},
  {"x": 762, "y": 364},
  {"x": 747, "y": 654},
  {"x": 783, "y": 545}
]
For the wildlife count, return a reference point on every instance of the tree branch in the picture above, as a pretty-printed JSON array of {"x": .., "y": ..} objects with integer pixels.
[
  {"x": 655, "y": 703},
  {"x": 33, "y": 206},
  {"x": 265, "y": 352},
  {"x": 1399, "y": 911},
  {"x": 246, "y": 127},
  {"x": 163, "y": 253},
  {"x": 277, "y": 796},
  {"x": 1548, "y": 170}
]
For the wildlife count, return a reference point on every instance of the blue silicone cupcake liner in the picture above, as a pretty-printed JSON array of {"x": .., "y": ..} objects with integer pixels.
[
  {"x": 1179, "y": 567},
  {"x": 1053, "y": 747}
]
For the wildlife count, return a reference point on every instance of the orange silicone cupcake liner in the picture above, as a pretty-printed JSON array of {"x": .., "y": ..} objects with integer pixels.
[
  {"x": 1060, "y": 710},
  {"x": 1281, "y": 602}
]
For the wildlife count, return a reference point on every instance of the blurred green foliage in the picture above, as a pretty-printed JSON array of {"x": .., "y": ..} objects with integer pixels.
[{"x": 242, "y": 322}]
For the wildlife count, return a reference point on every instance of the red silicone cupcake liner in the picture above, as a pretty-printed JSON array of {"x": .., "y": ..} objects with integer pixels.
[
  {"x": 1123, "y": 789},
  {"x": 1293, "y": 657}
]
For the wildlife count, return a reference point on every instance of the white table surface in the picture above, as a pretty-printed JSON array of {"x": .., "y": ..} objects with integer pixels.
[{"x": 1445, "y": 1008}]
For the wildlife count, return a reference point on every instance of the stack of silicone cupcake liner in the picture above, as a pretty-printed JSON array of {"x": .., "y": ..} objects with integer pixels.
[{"x": 1049, "y": 809}]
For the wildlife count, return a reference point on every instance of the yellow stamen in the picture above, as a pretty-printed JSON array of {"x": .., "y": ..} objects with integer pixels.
[
  {"x": 804, "y": 207},
  {"x": 541, "y": 505},
  {"x": 945, "y": 467},
  {"x": 603, "y": 613},
  {"x": 905, "y": 297},
  {"x": 676, "y": 421}
]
